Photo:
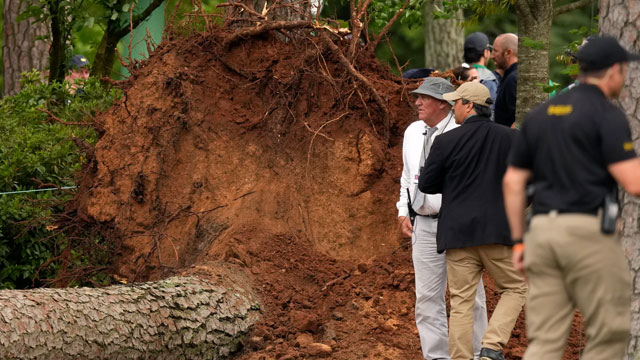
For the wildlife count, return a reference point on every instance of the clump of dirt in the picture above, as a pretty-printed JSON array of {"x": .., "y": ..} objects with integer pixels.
[{"x": 277, "y": 157}]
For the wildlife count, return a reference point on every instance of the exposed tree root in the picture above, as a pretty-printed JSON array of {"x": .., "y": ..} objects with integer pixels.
[
  {"x": 356, "y": 74},
  {"x": 263, "y": 28}
]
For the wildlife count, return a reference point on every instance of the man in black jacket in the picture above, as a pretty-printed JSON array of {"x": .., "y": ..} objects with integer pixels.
[
  {"x": 505, "y": 57},
  {"x": 466, "y": 165}
]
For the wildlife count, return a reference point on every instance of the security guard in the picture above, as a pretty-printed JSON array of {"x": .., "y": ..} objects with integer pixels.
[{"x": 574, "y": 148}]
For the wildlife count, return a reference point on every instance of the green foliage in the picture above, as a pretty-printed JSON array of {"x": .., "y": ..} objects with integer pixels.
[
  {"x": 567, "y": 33},
  {"x": 475, "y": 9},
  {"x": 37, "y": 152},
  {"x": 381, "y": 12},
  {"x": 551, "y": 87},
  {"x": 88, "y": 32}
]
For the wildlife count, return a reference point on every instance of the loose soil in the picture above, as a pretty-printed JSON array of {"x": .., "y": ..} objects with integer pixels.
[{"x": 272, "y": 156}]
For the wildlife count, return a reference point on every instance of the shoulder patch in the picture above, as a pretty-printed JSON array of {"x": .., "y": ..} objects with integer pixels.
[
  {"x": 559, "y": 110},
  {"x": 628, "y": 146}
]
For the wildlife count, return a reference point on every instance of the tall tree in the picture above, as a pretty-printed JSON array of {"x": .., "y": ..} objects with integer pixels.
[
  {"x": 22, "y": 48},
  {"x": 443, "y": 38},
  {"x": 534, "y": 36},
  {"x": 619, "y": 19},
  {"x": 60, "y": 36}
]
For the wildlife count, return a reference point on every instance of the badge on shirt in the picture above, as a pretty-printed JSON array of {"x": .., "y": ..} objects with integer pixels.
[
  {"x": 559, "y": 110},
  {"x": 628, "y": 146}
]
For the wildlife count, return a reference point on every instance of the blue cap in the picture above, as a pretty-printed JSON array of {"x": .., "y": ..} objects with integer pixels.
[
  {"x": 419, "y": 73},
  {"x": 78, "y": 61}
]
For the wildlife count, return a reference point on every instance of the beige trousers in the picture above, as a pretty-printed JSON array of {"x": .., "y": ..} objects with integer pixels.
[
  {"x": 464, "y": 269},
  {"x": 570, "y": 264}
]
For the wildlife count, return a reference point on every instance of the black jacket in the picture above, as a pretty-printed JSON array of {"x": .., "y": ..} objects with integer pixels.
[
  {"x": 505, "y": 107},
  {"x": 466, "y": 165}
]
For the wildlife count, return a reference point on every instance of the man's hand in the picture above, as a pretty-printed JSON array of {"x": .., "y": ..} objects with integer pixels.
[
  {"x": 405, "y": 226},
  {"x": 517, "y": 257}
]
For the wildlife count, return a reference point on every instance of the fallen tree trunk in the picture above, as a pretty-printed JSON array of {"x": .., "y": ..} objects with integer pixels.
[{"x": 176, "y": 318}]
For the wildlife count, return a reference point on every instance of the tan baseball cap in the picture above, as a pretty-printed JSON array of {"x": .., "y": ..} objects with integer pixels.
[{"x": 472, "y": 91}]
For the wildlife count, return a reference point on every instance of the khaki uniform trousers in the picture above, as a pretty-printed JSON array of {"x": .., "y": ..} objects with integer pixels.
[
  {"x": 464, "y": 269},
  {"x": 570, "y": 264}
]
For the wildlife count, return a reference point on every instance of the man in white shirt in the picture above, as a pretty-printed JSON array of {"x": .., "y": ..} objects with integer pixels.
[{"x": 435, "y": 117}]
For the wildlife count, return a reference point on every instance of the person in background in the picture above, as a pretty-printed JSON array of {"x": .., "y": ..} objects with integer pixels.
[
  {"x": 477, "y": 52},
  {"x": 505, "y": 57},
  {"x": 434, "y": 119},
  {"x": 78, "y": 70},
  {"x": 575, "y": 148},
  {"x": 464, "y": 73}
]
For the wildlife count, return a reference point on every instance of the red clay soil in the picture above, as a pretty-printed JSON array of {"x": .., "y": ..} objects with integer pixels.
[{"x": 272, "y": 156}]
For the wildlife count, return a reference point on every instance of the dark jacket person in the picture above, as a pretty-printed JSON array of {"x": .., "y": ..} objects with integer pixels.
[
  {"x": 466, "y": 165},
  {"x": 505, "y": 57}
]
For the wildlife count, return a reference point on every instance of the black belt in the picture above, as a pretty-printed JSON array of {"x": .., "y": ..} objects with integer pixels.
[
  {"x": 561, "y": 211},
  {"x": 433, "y": 216}
]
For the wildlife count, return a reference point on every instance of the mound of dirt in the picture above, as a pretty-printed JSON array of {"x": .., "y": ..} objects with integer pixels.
[{"x": 276, "y": 157}]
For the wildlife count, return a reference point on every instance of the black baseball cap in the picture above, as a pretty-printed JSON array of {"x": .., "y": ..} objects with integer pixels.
[
  {"x": 476, "y": 43},
  {"x": 78, "y": 61},
  {"x": 601, "y": 52},
  {"x": 419, "y": 73}
]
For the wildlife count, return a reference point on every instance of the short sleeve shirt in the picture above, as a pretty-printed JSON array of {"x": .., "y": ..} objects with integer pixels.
[{"x": 567, "y": 143}]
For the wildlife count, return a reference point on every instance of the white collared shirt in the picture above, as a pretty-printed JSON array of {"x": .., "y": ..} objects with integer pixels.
[{"x": 411, "y": 151}]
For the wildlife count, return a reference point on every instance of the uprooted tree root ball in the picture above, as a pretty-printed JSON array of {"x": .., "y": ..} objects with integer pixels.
[{"x": 270, "y": 149}]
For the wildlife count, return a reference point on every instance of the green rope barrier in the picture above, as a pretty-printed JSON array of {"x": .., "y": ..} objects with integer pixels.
[{"x": 37, "y": 190}]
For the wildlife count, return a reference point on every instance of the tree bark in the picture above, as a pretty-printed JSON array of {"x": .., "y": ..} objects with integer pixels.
[
  {"x": 259, "y": 10},
  {"x": 443, "y": 39},
  {"x": 177, "y": 318},
  {"x": 618, "y": 18},
  {"x": 106, "y": 52},
  {"x": 59, "y": 37},
  {"x": 21, "y": 51},
  {"x": 534, "y": 18}
]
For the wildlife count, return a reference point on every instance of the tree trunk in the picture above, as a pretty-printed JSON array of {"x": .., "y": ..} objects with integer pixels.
[
  {"x": 21, "y": 51},
  {"x": 443, "y": 39},
  {"x": 618, "y": 18},
  {"x": 534, "y": 18},
  {"x": 177, "y": 318},
  {"x": 106, "y": 52},
  {"x": 57, "y": 66}
]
